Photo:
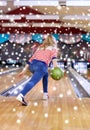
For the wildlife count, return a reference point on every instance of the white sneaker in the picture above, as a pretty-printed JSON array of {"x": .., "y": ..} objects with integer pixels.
[
  {"x": 20, "y": 98},
  {"x": 45, "y": 96}
]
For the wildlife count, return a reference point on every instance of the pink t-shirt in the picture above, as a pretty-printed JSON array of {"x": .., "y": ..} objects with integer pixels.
[{"x": 44, "y": 55}]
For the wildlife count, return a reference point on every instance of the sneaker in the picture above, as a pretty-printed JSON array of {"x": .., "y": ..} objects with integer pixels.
[
  {"x": 20, "y": 98},
  {"x": 45, "y": 96}
]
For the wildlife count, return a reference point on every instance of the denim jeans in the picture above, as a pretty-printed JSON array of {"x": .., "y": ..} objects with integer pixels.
[{"x": 40, "y": 71}]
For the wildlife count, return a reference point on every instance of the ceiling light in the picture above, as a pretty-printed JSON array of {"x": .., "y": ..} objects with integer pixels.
[
  {"x": 15, "y": 24},
  {"x": 76, "y": 17},
  {"x": 32, "y": 17},
  {"x": 36, "y": 2},
  {"x": 46, "y": 25},
  {"x": 9, "y": 17},
  {"x": 3, "y": 2},
  {"x": 42, "y": 17},
  {"x": 72, "y": 25},
  {"x": 77, "y": 2}
]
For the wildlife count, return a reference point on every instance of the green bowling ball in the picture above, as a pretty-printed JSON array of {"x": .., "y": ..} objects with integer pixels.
[{"x": 56, "y": 73}]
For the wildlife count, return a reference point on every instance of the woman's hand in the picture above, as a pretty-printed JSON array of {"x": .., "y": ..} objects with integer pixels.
[
  {"x": 23, "y": 71},
  {"x": 21, "y": 74},
  {"x": 55, "y": 63}
]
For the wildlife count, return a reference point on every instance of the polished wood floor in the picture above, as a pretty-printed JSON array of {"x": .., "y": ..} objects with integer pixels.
[{"x": 62, "y": 111}]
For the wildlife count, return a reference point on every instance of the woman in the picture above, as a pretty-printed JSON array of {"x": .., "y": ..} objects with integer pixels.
[{"x": 38, "y": 65}]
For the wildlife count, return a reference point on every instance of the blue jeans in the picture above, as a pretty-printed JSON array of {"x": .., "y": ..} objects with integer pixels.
[{"x": 40, "y": 71}]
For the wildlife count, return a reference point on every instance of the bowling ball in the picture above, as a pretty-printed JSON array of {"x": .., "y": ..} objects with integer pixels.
[{"x": 56, "y": 73}]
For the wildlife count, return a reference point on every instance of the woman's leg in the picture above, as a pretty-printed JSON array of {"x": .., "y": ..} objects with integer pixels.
[
  {"x": 32, "y": 82},
  {"x": 45, "y": 83},
  {"x": 45, "y": 86},
  {"x": 39, "y": 69}
]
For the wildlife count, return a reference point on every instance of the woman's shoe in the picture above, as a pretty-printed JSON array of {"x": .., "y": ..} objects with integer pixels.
[
  {"x": 45, "y": 96},
  {"x": 20, "y": 98}
]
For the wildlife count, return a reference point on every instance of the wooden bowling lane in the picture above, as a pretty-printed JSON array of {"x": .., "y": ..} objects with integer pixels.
[
  {"x": 10, "y": 79},
  {"x": 88, "y": 74},
  {"x": 62, "y": 111}
]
